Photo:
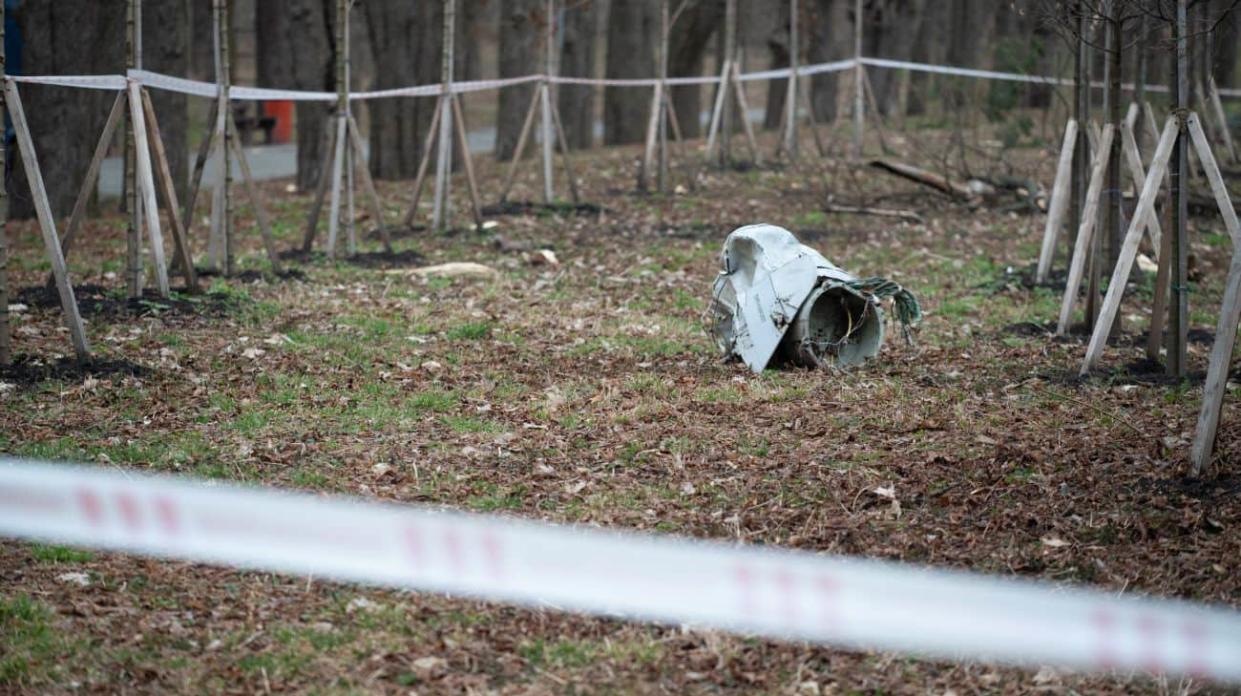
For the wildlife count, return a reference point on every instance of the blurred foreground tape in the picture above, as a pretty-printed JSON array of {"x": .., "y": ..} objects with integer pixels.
[{"x": 853, "y": 603}]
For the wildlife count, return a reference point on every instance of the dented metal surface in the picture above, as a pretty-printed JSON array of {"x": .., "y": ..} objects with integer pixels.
[{"x": 778, "y": 298}]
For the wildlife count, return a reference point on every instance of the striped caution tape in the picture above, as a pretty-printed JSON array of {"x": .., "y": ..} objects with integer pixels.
[{"x": 764, "y": 591}]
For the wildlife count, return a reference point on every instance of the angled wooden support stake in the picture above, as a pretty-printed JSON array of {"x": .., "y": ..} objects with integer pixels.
[
  {"x": 744, "y": 106},
  {"x": 1085, "y": 230},
  {"x": 1129, "y": 249},
  {"x": 47, "y": 225},
  {"x": 874, "y": 107},
  {"x": 467, "y": 160},
  {"x": 368, "y": 184},
  {"x": 92, "y": 174},
  {"x": 804, "y": 95},
  {"x": 1211, "y": 167},
  {"x": 325, "y": 180},
  {"x": 146, "y": 182},
  {"x": 1059, "y": 203},
  {"x": 1229, "y": 315},
  {"x": 181, "y": 244},
  {"x": 565, "y": 158},
  {"x": 206, "y": 149},
  {"x": 518, "y": 151},
  {"x": 1137, "y": 172},
  {"x": 423, "y": 166},
  {"x": 717, "y": 110},
  {"x": 1218, "y": 107},
  {"x": 1217, "y": 369},
  {"x": 256, "y": 199}
]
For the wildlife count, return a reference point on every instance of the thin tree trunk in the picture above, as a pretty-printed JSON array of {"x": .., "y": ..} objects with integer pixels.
[
  {"x": 577, "y": 59},
  {"x": 521, "y": 31},
  {"x": 632, "y": 30}
]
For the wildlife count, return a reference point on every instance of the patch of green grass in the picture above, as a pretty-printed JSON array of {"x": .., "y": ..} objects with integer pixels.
[
  {"x": 431, "y": 401},
  {"x": 496, "y": 498},
  {"x": 470, "y": 331},
  {"x": 727, "y": 394},
  {"x": 30, "y": 649},
  {"x": 49, "y": 553}
]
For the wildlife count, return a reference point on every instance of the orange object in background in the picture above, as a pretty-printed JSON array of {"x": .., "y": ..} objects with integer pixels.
[{"x": 282, "y": 111}]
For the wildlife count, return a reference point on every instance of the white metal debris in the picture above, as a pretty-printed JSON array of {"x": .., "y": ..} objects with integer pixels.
[{"x": 769, "y": 283}]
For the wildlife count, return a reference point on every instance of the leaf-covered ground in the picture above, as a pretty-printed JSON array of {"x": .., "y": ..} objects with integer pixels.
[{"x": 589, "y": 393}]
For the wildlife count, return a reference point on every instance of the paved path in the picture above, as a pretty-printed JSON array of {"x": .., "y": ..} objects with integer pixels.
[{"x": 280, "y": 161}]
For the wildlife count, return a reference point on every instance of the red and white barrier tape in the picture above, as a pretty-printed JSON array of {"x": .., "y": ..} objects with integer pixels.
[{"x": 771, "y": 592}]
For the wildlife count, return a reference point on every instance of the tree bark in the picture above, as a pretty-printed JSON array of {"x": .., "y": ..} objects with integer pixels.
[
  {"x": 577, "y": 59},
  {"x": 632, "y": 30},
  {"x": 65, "y": 37},
  {"x": 522, "y": 28},
  {"x": 778, "y": 50},
  {"x": 690, "y": 38},
  {"x": 165, "y": 40},
  {"x": 296, "y": 50},
  {"x": 829, "y": 41}
]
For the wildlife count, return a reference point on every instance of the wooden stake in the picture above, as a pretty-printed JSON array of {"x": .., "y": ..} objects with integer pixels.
[
  {"x": 146, "y": 180},
  {"x": 256, "y": 199},
  {"x": 1129, "y": 146},
  {"x": 467, "y": 161},
  {"x": 368, "y": 184},
  {"x": 717, "y": 111},
  {"x": 1222, "y": 198},
  {"x": 744, "y": 105},
  {"x": 205, "y": 151},
  {"x": 1129, "y": 248},
  {"x": 1059, "y": 203},
  {"x": 1085, "y": 231},
  {"x": 424, "y": 165},
  {"x": 325, "y": 180},
  {"x": 92, "y": 176},
  {"x": 47, "y": 225},
  {"x": 526, "y": 126},
  {"x": 1217, "y": 368},
  {"x": 181, "y": 244},
  {"x": 874, "y": 107},
  {"x": 564, "y": 153},
  {"x": 1222, "y": 118},
  {"x": 814, "y": 125}
]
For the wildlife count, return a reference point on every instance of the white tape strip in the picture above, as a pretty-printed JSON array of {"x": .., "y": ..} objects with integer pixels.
[
  {"x": 783, "y": 594},
  {"x": 208, "y": 89},
  {"x": 112, "y": 82},
  {"x": 992, "y": 74}
]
